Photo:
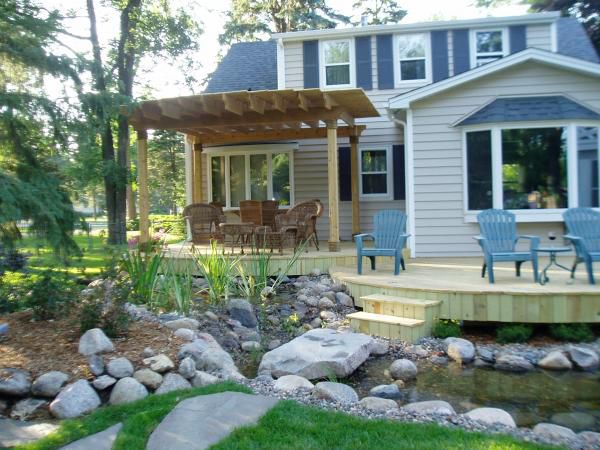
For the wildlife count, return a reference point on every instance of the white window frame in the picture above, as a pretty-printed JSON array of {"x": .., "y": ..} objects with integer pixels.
[
  {"x": 526, "y": 215},
  {"x": 389, "y": 172},
  {"x": 351, "y": 64},
  {"x": 473, "y": 45},
  {"x": 398, "y": 81},
  {"x": 246, "y": 150}
]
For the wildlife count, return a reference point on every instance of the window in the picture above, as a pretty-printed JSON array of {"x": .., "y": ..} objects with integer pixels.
[
  {"x": 336, "y": 63},
  {"x": 588, "y": 151},
  {"x": 479, "y": 169},
  {"x": 487, "y": 46},
  {"x": 412, "y": 56},
  {"x": 375, "y": 172}
]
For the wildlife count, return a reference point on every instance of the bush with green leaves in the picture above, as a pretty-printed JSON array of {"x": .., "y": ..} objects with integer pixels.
[
  {"x": 218, "y": 270},
  {"x": 51, "y": 295},
  {"x": 175, "y": 288},
  {"x": 572, "y": 332},
  {"x": 143, "y": 271},
  {"x": 110, "y": 316},
  {"x": 515, "y": 332},
  {"x": 444, "y": 328}
]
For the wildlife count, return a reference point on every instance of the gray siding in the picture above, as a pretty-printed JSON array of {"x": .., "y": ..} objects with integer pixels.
[
  {"x": 539, "y": 36},
  {"x": 294, "y": 72}
]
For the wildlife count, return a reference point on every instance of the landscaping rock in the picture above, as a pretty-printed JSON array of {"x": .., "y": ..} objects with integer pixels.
[
  {"x": 95, "y": 341},
  {"x": 459, "y": 350},
  {"x": 3, "y": 407},
  {"x": 486, "y": 355},
  {"x": 439, "y": 360},
  {"x": 335, "y": 392},
  {"x": 119, "y": 368},
  {"x": 148, "y": 378},
  {"x": 96, "y": 363},
  {"x": 173, "y": 382},
  {"x": 553, "y": 432},
  {"x": 209, "y": 356},
  {"x": 29, "y": 409},
  {"x": 417, "y": 351},
  {"x": 159, "y": 363},
  {"x": 318, "y": 353},
  {"x": 103, "y": 440},
  {"x": 555, "y": 361},
  {"x": 185, "y": 334},
  {"x": 403, "y": 369},
  {"x": 326, "y": 303},
  {"x": 378, "y": 404},
  {"x": 329, "y": 294},
  {"x": 49, "y": 384},
  {"x": 14, "y": 382},
  {"x": 430, "y": 407},
  {"x": 344, "y": 299},
  {"x": 380, "y": 348},
  {"x": 590, "y": 438},
  {"x": 16, "y": 432},
  {"x": 273, "y": 344},
  {"x": 492, "y": 415},
  {"x": 242, "y": 310},
  {"x": 203, "y": 379},
  {"x": 4, "y": 327},
  {"x": 187, "y": 368},
  {"x": 127, "y": 390},
  {"x": 186, "y": 322},
  {"x": 148, "y": 352},
  {"x": 327, "y": 316},
  {"x": 584, "y": 358},
  {"x": 512, "y": 363},
  {"x": 292, "y": 382},
  {"x": 76, "y": 399},
  {"x": 103, "y": 382},
  {"x": 578, "y": 421},
  {"x": 250, "y": 346},
  {"x": 386, "y": 391},
  {"x": 211, "y": 316},
  {"x": 311, "y": 301}
]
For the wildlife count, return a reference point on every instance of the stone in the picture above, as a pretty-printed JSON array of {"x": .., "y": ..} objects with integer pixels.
[
  {"x": 96, "y": 364},
  {"x": 578, "y": 421},
  {"x": 14, "y": 382},
  {"x": 211, "y": 316},
  {"x": 512, "y": 363},
  {"x": 329, "y": 294},
  {"x": 210, "y": 357},
  {"x": 459, "y": 350},
  {"x": 289, "y": 383},
  {"x": 380, "y": 348},
  {"x": 16, "y": 432},
  {"x": 4, "y": 327},
  {"x": 590, "y": 438},
  {"x": 98, "y": 441},
  {"x": 49, "y": 384},
  {"x": 439, "y": 360},
  {"x": 186, "y": 322},
  {"x": 492, "y": 415},
  {"x": 159, "y": 363},
  {"x": 317, "y": 354},
  {"x": 325, "y": 303},
  {"x": 386, "y": 391},
  {"x": 584, "y": 358},
  {"x": 119, "y": 368},
  {"x": 555, "y": 361},
  {"x": 95, "y": 341},
  {"x": 327, "y": 316},
  {"x": 127, "y": 390},
  {"x": 399, "y": 383},
  {"x": 148, "y": 352},
  {"x": 29, "y": 408},
  {"x": 486, "y": 355},
  {"x": 4, "y": 407},
  {"x": 273, "y": 344},
  {"x": 418, "y": 351},
  {"x": 481, "y": 364},
  {"x": 74, "y": 400},
  {"x": 186, "y": 426},
  {"x": 103, "y": 382},
  {"x": 344, "y": 299},
  {"x": 250, "y": 346},
  {"x": 378, "y": 404},
  {"x": 553, "y": 432},
  {"x": 316, "y": 322},
  {"x": 430, "y": 407},
  {"x": 312, "y": 301},
  {"x": 335, "y": 392},
  {"x": 187, "y": 368},
  {"x": 403, "y": 369},
  {"x": 203, "y": 379},
  {"x": 186, "y": 334},
  {"x": 242, "y": 310},
  {"x": 173, "y": 382},
  {"x": 148, "y": 378}
]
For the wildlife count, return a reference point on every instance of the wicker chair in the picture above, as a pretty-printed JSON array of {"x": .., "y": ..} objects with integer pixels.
[
  {"x": 251, "y": 212},
  {"x": 270, "y": 208},
  {"x": 303, "y": 216},
  {"x": 203, "y": 222}
]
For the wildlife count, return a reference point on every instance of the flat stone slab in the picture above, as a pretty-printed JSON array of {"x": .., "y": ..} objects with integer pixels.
[
  {"x": 15, "y": 432},
  {"x": 199, "y": 422},
  {"x": 99, "y": 441}
]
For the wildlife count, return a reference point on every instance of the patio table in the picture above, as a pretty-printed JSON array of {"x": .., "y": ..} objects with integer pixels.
[
  {"x": 552, "y": 251},
  {"x": 239, "y": 232}
]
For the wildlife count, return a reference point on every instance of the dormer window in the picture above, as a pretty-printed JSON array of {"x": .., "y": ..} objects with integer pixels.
[
  {"x": 336, "y": 63},
  {"x": 488, "y": 46},
  {"x": 412, "y": 58}
]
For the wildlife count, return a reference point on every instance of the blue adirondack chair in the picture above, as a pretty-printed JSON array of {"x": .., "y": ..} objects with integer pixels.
[
  {"x": 389, "y": 236},
  {"x": 498, "y": 240},
  {"x": 583, "y": 226}
]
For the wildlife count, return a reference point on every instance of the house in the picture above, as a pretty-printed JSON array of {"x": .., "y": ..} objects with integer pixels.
[{"x": 473, "y": 114}]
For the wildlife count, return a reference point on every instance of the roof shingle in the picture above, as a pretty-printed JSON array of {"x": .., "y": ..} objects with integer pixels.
[{"x": 574, "y": 41}]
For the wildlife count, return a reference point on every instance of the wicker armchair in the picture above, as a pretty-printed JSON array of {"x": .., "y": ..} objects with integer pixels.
[
  {"x": 251, "y": 212},
  {"x": 203, "y": 222},
  {"x": 270, "y": 208},
  {"x": 303, "y": 216}
]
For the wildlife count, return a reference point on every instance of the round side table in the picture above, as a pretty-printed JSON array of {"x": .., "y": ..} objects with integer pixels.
[{"x": 552, "y": 252}]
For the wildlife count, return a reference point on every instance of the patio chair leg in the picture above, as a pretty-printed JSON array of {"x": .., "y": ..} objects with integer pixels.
[
  {"x": 316, "y": 240},
  {"x": 574, "y": 267},
  {"x": 518, "y": 267},
  {"x": 536, "y": 275},
  {"x": 372, "y": 258},
  {"x": 396, "y": 266},
  {"x": 359, "y": 264},
  {"x": 590, "y": 272},
  {"x": 483, "y": 270},
  {"x": 491, "y": 272},
  {"x": 402, "y": 263}
]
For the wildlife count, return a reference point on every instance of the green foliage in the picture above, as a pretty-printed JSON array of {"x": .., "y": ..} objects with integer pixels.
[
  {"x": 291, "y": 323},
  {"x": 166, "y": 177},
  {"x": 444, "y": 328},
  {"x": 572, "y": 332},
  {"x": 143, "y": 272},
  {"x": 176, "y": 288},
  {"x": 170, "y": 224},
  {"x": 218, "y": 270},
  {"x": 51, "y": 295},
  {"x": 380, "y": 11},
  {"x": 108, "y": 314},
  {"x": 506, "y": 334}
]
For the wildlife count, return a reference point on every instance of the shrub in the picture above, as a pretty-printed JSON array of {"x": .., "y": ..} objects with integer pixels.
[
  {"x": 173, "y": 225},
  {"x": 51, "y": 295},
  {"x": 12, "y": 260},
  {"x": 110, "y": 316},
  {"x": 572, "y": 332},
  {"x": 176, "y": 289},
  {"x": 513, "y": 333},
  {"x": 218, "y": 270},
  {"x": 143, "y": 272},
  {"x": 444, "y": 328}
]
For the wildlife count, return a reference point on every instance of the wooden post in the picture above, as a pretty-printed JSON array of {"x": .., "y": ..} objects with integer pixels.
[
  {"x": 333, "y": 184},
  {"x": 142, "y": 146},
  {"x": 354, "y": 162},
  {"x": 197, "y": 174},
  {"x": 189, "y": 174}
]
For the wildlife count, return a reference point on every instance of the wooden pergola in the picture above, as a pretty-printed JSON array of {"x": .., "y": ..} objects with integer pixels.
[{"x": 257, "y": 116}]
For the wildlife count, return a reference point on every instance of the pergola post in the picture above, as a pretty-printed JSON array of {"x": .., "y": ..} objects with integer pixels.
[
  {"x": 333, "y": 186},
  {"x": 197, "y": 174},
  {"x": 354, "y": 161},
  {"x": 142, "y": 147}
]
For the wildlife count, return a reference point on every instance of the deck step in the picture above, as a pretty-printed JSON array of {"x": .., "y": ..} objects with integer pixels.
[
  {"x": 391, "y": 327},
  {"x": 392, "y": 320},
  {"x": 383, "y": 298},
  {"x": 410, "y": 308}
]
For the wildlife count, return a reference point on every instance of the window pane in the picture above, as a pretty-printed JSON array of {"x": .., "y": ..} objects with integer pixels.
[
  {"x": 534, "y": 168},
  {"x": 479, "y": 170},
  {"x": 337, "y": 52},
  {"x": 411, "y": 46},
  {"x": 412, "y": 70},
  {"x": 237, "y": 179},
  {"x": 489, "y": 41},
  {"x": 258, "y": 177},
  {"x": 374, "y": 184},
  {"x": 587, "y": 166},
  {"x": 374, "y": 161},
  {"x": 217, "y": 168},
  {"x": 337, "y": 75},
  {"x": 281, "y": 178}
]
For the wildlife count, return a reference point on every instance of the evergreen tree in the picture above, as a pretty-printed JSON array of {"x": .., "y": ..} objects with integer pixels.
[
  {"x": 379, "y": 12},
  {"x": 166, "y": 174}
]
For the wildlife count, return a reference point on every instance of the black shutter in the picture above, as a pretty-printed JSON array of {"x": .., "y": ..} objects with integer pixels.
[
  {"x": 364, "y": 69},
  {"x": 345, "y": 174},
  {"x": 385, "y": 62},
  {"x": 439, "y": 54},
  {"x": 310, "y": 50},
  {"x": 399, "y": 173},
  {"x": 517, "y": 35},
  {"x": 460, "y": 50}
]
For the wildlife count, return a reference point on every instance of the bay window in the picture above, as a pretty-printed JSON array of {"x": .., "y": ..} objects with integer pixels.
[{"x": 337, "y": 60}]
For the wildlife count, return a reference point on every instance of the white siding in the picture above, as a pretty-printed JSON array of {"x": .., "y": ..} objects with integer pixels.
[
  {"x": 539, "y": 36},
  {"x": 294, "y": 71},
  {"x": 450, "y": 53}
]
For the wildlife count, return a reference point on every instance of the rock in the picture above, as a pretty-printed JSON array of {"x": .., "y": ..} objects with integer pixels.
[
  {"x": 553, "y": 432},
  {"x": 318, "y": 353},
  {"x": 187, "y": 368},
  {"x": 119, "y": 368},
  {"x": 315, "y": 272},
  {"x": 186, "y": 334},
  {"x": 267, "y": 292},
  {"x": 211, "y": 316},
  {"x": 316, "y": 322},
  {"x": 14, "y": 382},
  {"x": 203, "y": 379},
  {"x": 584, "y": 358},
  {"x": 3, "y": 407},
  {"x": 159, "y": 363},
  {"x": 127, "y": 390},
  {"x": 148, "y": 352},
  {"x": 209, "y": 356},
  {"x": 459, "y": 350},
  {"x": 4, "y": 327},
  {"x": 186, "y": 322},
  {"x": 578, "y": 421},
  {"x": 103, "y": 440},
  {"x": 492, "y": 415},
  {"x": 325, "y": 303},
  {"x": 148, "y": 378},
  {"x": 17, "y": 433},
  {"x": 327, "y": 316},
  {"x": 486, "y": 355},
  {"x": 49, "y": 384},
  {"x": 95, "y": 341},
  {"x": 555, "y": 361},
  {"x": 590, "y": 438},
  {"x": 335, "y": 392},
  {"x": 329, "y": 294},
  {"x": 273, "y": 319},
  {"x": 512, "y": 363},
  {"x": 96, "y": 363},
  {"x": 173, "y": 382},
  {"x": 273, "y": 344},
  {"x": 386, "y": 391},
  {"x": 418, "y": 351},
  {"x": 250, "y": 346},
  {"x": 430, "y": 407},
  {"x": 289, "y": 383},
  {"x": 242, "y": 310},
  {"x": 378, "y": 404},
  {"x": 311, "y": 301},
  {"x": 103, "y": 382},
  {"x": 380, "y": 348},
  {"x": 403, "y": 369},
  {"x": 344, "y": 299},
  {"x": 481, "y": 364},
  {"x": 76, "y": 399},
  {"x": 29, "y": 408},
  {"x": 439, "y": 360},
  {"x": 399, "y": 383}
]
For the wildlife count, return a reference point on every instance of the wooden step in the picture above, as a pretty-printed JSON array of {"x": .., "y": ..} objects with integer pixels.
[
  {"x": 410, "y": 308},
  {"x": 383, "y": 298},
  {"x": 391, "y": 327},
  {"x": 393, "y": 320}
]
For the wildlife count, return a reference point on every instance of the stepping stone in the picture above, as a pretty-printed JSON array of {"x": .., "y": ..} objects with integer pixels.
[
  {"x": 99, "y": 441},
  {"x": 15, "y": 432},
  {"x": 199, "y": 422}
]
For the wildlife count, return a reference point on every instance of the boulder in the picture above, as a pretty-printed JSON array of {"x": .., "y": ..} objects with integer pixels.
[
  {"x": 95, "y": 341},
  {"x": 403, "y": 369},
  {"x": 380, "y": 348},
  {"x": 242, "y": 310},
  {"x": 312, "y": 301},
  {"x": 460, "y": 350},
  {"x": 591, "y": 438},
  {"x": 159, "y": 363},
  {"x": 335, "y": 392},
  {"x": 329, "y": 294},
  {"x": 148, "y": 378},
  {"x": 344, "y": 299},
  {"x": 203, "y": 379},
  {"x": 210, "y": 357},
  {"x": 186, "y": 322},
  {"x": 96, "y": 363},
  {"x": 119, "y": 368},
  {"x": 418, "y": 350},
  {"x": 250, "y": 346},
  {"x": 318, "y": 353},
  {"x": 49, "y": 384},
  {"x": 578, "y": 421},
  {"x": 273, "y": 344},
  {"x": 430, "y": 407},
  {"x": 438, "y": 360},
  {"x": 186, "y": 334},
  {"x": 187, "y": 368},
  {"x": 127, "y": 390},
  {"x": 378, "y": 404},
  {"x": 326, "y": 303},
  {"x": 584, "y": 358},
  {"x": 173, "y": 382},
  {"x": 211, "y": 316},
  {"x": 512, "y": 363},
  {"x": 14, "y": 382},
  {"x": 555, "y": 361},
  {"x": 76, "y": 399},
  {"x": 386, "y": 391},
  {"x": 29, "y": 409},
  {"x": 492, "y": 415},
  {"x": 292, "y": 382},
  {"x": 553, "y": 432},
  {"x": 486, "y": 355},
  {"x": 148, "y": 352},
  {"x": 327, "y": 316},
  {"x": 103, "y": 382}
]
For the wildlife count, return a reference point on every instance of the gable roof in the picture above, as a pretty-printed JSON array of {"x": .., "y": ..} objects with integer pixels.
[
  {"x": 246, "y": 66},
  {"x": 572, "y": 40},
  {"x": 569, "y": 63}
]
